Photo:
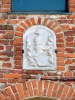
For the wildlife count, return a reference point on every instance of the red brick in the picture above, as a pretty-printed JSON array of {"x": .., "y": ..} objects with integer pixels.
[
  {"x": 50, "y": 89},
  {"x": 66, "y": 89},
  {"x": 20, "y": 90},
  {"x": 3, "y": 80},
  {"x": 60, "y": 58},
  {"x": 65, "y": 27},
  {"x": 1, "y": 47},
  {"x": 18, "y": 62},
  {"x": 70, "y": 33},
  {"x": 18, "y": 44},
  {"x": 20, "y": 34},
  {"x": 60, "y": 90},
  {"x": 34, "y": 83},
  {"x": 32, "y": 21},
  {"x": 60, "y": 55},
  {"x": 28, "y": 23},
  {"x": 20, "y": 80},
  {"x": 23, "y": 25},
  {"x": 20, "y": 71},
  {"x": 12, "y": 21},
  {"x": 60, "y": 68},
  {"x": 50, "y": 24},
  {"x": 26, "y": 76},
  {"x": 71, "y": 67},
  {"x": 1, "y": 75},
  {"x": 69, "y": 62},
  {"x": 17, "y": 58},
  {"x": 39, "y": 20},
  {"x": 22, "y": 17},
  {"x": 69, "y": 39},
  {"x": 58, "y": 30},
  {"x": 11, "y": 80},
  {"x": 18, "y": 67},
  {"x": 2, "y": 21},
  {"x": 17, "y": 96},
  {"x": 9, "y": 65},
  {"x": 70, "y": 50},
  {"x": 60, "y": 40},
  {"x": 18, "y": 39},
  {"x": 69, "y": 55},
  {"x": 11, "y": 94},
  {"x": 6, "y": 1},
  {"x": 40, "y": 87},
  {"x": 12, "y": 76},
  {"x": 59, "y": 35},
  {"x": 60, "y": 45},
  {"x": 45, "y": 21},
  {"x": 34, "y": 72},
  {"x": 18, "y": 53},
  {"x": 71, "y": 44},
  {"x": 14, "y": 88},
  {"x": 61, "y": 63},
  {"x": 7, "y": 98},
  {"x": 70, "y": 21},
  {"x": 20, "y": 29},
  {"x": 5, "y": 10},
  {"x": 2, "y": 96},
  {"x": 71, "y": 1},
  {"x": 30, "y": 88},
  {"x": 60, "y": 49},
  {"x": 68, "y": 73},
  {"x": 5, "y": 59},
  {"x": 54, "y": 26}
]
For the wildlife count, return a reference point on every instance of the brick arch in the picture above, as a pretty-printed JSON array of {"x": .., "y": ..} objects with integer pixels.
[
  {"x": 38, "y": 88},
  {"x": 27, "y": 23}
]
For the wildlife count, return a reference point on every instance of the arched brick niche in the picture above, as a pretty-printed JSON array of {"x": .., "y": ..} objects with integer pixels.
[
  {"x": 38, "y": 88},
  {"x": 52, "y": 25}
]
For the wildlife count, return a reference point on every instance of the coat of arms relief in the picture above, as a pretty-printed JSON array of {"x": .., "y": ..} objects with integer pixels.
[{"x": 39, "y": 46}]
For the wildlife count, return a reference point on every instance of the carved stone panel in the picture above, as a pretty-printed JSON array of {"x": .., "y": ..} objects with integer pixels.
[{"x": 39, "y": 45}]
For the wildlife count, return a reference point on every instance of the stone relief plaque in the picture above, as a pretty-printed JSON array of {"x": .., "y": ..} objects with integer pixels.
[{"x": 39, "y": 44}]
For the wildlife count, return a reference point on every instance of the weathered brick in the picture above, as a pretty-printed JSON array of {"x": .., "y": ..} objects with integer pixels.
[
  {"x": 9, "y": 65},
  {"x": 6, "y": 27},
  {"x": 26, "y": 76},
  {"x": 34, "y": 72},
  {"x": 1, "y": 47},
  {"x": 70, "y": 33},
  {"x": 71, "y": 44},
  {"x": 71, "y": 67},
  {"x": 70, "y": 21},
  {"x": 11, "y": 80},
  {"x": 69, "y": 39},
  {"x": 70, "y": 50},
  {"x": 9, "y": 53}
]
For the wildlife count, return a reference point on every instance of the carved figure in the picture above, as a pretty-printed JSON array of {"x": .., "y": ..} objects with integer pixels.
[{"x": 40, "y": 54}]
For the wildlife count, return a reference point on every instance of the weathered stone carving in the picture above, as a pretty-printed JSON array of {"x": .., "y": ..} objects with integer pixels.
[{"x": 39, "y": 45}]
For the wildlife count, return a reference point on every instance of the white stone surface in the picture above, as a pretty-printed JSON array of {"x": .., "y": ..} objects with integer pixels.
[{"x": 39, "y": 44}]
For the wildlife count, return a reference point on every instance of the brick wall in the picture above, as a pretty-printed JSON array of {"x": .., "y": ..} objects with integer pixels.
[{"x": 18, "y": 84}]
